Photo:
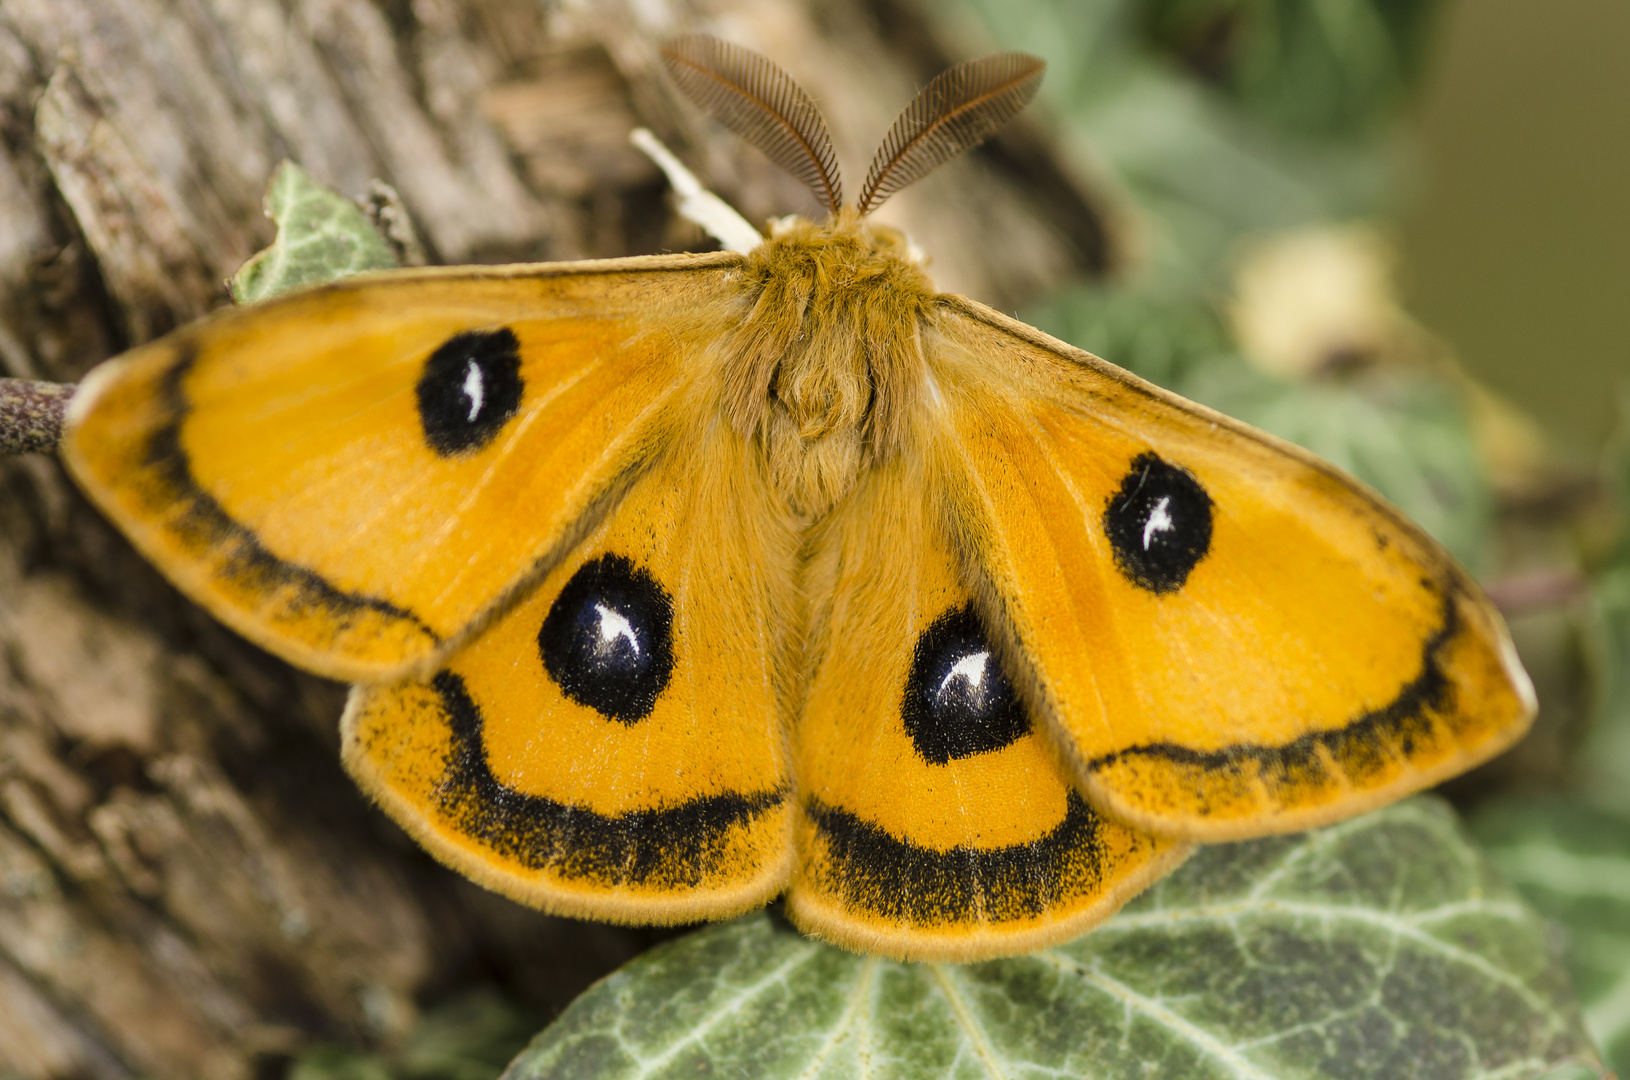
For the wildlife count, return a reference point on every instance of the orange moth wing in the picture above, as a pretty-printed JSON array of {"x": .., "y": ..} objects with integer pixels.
[
  {"x": 1227, "y": 636},
  {"x": 359, "y": 477},
  {"x": 935, "y": 819},
  {"x": 614, "y": 746}
]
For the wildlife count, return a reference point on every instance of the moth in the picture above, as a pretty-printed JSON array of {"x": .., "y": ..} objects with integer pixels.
[{"x": 672, "y": 584}]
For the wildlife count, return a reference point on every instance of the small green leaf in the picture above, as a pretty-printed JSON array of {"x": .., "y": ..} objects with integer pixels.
[
  {"x": 1381, "y": 947},
  {"x": 338, "y": 1063},
  {"x": 468, "y": 1038},
  {"x": 1572, "y": 862},
  {"x": 321, "y": 236}
]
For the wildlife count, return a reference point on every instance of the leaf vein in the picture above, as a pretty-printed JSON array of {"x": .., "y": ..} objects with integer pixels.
[
  {"x": 1400, "y": 926},
  {"x": 840, "y": 1030},
  {"x": 648, "y": 1066},
  {"x": 979, "y": 1042},
  {"x": 1192, "y": 1033}
]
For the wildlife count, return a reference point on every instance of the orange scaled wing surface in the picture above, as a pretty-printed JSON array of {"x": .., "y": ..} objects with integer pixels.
[
  {"x": 935, "y": 820},
  {"x": 613, "y": 747},
  {"x": 358, "y": 477},
  {"x": 1228, "y": 637}
]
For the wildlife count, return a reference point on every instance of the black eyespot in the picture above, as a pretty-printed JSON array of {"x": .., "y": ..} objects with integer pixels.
[
  {"x": 470, "y": 388},
  {"x": 958, "y": 701},
  {"x": 607, "y": 639},
  {"x": 1159, "y": 524}
]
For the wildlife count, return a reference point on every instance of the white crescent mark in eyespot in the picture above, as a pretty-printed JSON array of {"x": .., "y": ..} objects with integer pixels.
[
  {"x": 970, "y": 667},
  {"x": 474, "y": 389},
  {"x": 1160, "y": 520},
  {"x": 614, "y": 625}
]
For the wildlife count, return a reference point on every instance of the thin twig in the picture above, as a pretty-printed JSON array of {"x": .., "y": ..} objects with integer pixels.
[
  {"x": 31, "y": 415},
  {"x": 1535, "y": 590}
]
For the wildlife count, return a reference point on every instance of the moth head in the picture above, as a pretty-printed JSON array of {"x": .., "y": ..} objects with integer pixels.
[{"x": 755, "y": 98}]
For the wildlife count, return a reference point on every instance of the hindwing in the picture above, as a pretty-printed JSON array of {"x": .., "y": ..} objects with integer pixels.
[
  {"x": 613, "y": 746},
  {"x": 935, "y": 819}
]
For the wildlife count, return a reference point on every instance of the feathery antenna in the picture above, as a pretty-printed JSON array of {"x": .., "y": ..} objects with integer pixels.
[
  {"x": 954, "y": 113},
  {"x": 751, "y": 96}
]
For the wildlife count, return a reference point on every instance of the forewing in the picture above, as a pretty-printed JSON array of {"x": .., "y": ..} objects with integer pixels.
[
  {"x": 357, "y": 477},
  {"x": 935, "y": 820},
  {"x": 613, "y": 747},
  {"x": 1230, "y": 637}
]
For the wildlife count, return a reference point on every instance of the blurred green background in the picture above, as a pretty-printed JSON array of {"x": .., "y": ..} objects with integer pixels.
[
  {"x": 1516, "y": 222},
  {"x": 1488, "y": 139}
]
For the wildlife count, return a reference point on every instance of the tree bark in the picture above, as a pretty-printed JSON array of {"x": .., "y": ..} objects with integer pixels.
[{"x": 189, "y": 885}]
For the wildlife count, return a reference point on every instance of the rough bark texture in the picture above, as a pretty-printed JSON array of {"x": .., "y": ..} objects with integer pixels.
[
  {"x": 189, "y": 885},
  {"x": 31, "y": 415}
]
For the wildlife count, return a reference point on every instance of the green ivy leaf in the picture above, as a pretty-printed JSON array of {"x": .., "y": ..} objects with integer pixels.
[
  {"x": 321, "y": 236},
  {"x": 1572, "y": 862},
  {"x": 1384, "y": 946}
]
